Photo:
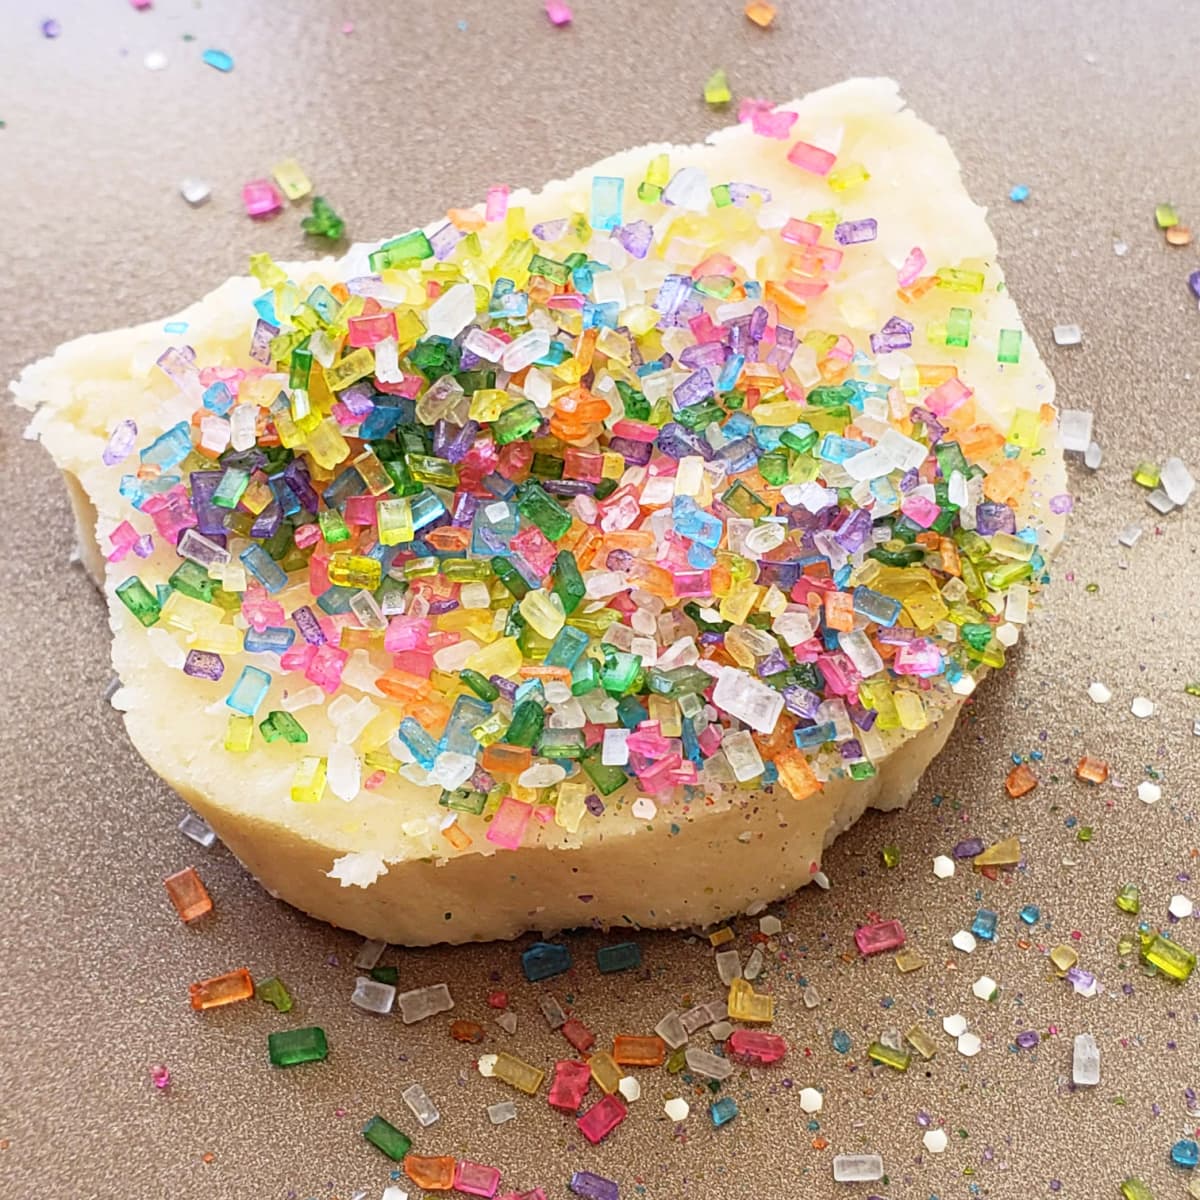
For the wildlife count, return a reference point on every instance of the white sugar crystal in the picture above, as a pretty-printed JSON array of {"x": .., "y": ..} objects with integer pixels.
[
  {"x": 720, "y": 1030},
  {"x": 391, "y": 1192},
  {"x": 969, "y": 1045},
  {"x": 1093, "y": 457},
  {"x": 644, "y": 808},
  {"x": 373, "y": 996},
  {"x": 1180, "y": 908},
  {"x": 985, "y": 987},
  {"x": 166, "y": 647},
  {"x": 677, "y": 1109},
  {"x": 198, "y": 830},
  {"x": 452, "y": 659},
  {"x": 424, "y": 1002},
  {"x": 387, "y": 361},
  {"x": 630, "y": 1088},
  {"x": 474, "y": 595},
  {"x": 1148, "y": 792},
  {"x": 943, "y": 866},
  {"x": 857, "y": 1168},
  {"x": 507, "y": 1021},
  {"x": 486, "y": 1064},
  {"x": 1128, "y": 537},
  {"x": 793, "y": 627},
  {"x": 359, "y": 868},
  {"x": 955, "y": 1024},
  {"x": 688, "y": 189},
  {"x": 503, "y": 1110},
  {"x": 964, "y": 940},
  {"x": 1085, "y": 1061},
  {"x": 613, "y": 751},
  {"x": 451, "y": 769},
  {"x": 343, "y": 771},
  {"x": 729, "y": 966},
  {"x": 1142, "y": 707},
  {"x": 195, "y": 191},
  {"x": 742, "y": 755},
  {"x": 1075, "y": 429},
  {"x": 811, "y": 1100},
  {"x": 522, "y": 351},
  {"x": 1160, "y": 501},
  {"x": 746, "y": 698},
  {"x": 811, "y": 996},
  {"x": 1098, "y": 693},
  {"x": 770, "y": 925},
  {"x": 1067, "y": 335},
  {"x": 1017, "y": 606},
  {"x": 1177, "y": 481},
  {"x": 553, "y": 1012},
  {"x": 695, "y": 1019},
  {"x": 858, "y": 648},
  {"x": 541, "y": 775},
  {"x": 420, "y": 1104},
  {"x": 671, "y": 1030},
  {"x": 451, "y": 312},
  {"x": 369, "y": 954},
  {"x": 704, "y": 1062},
  {"x": 303, "y": 699},
  {"x": 936, "y": 1140},
  {"x": 754, "y": 964}
]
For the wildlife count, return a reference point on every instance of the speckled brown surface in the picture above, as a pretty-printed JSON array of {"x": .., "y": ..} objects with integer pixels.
[{"x": 422, "y": 106}]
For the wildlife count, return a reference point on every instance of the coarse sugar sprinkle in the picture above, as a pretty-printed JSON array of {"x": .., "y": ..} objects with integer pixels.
[{"x": 589, "y": 507}]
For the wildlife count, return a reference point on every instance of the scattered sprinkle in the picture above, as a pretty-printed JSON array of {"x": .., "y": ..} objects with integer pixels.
[
  {"x": 761, "y": 13},
  {"x": 218, "y": 60},
  {"x": 716, "y": 90}
]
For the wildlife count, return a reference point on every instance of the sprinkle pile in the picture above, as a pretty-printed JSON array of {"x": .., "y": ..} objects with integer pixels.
[{"x": 585, "y": 503}]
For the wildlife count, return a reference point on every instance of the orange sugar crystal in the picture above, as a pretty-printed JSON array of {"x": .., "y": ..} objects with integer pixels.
[
  {"x": 796, "y": 775},
  {"x": 459, "y": 839},
  {"x": 1020, "y": 781},
  {"x": 221, "y": 989},
  {"x": 1091, "y": 770},
  {"x": 633, "y": 1051},
  {"x": 839, "y": 611},
  {"x": 188, "y": 894},
  {"x": 980, "y": 441},
  {"x": 760, "y": 12},
  {"x": 502, "y": 759},
  {"x": 1006, "y": 483},
  {"x": 434, "y": 1174}
]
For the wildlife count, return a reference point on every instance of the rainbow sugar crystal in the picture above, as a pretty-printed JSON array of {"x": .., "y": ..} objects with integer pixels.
[{"x": 660, "y": 540}]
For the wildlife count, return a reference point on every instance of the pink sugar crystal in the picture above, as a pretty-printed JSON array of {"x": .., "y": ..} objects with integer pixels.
[
  {"x": 508, "y": 825},
  {"x": 571, "y": 1081},
  {"x": 602, "y": 1118},
  {"x": 811, "y": 158},
  {"x": 261, "y": 198},
  {"x": 913, "y": 265},
  {"x": 753, "y": 1046},
  {"x": 877, "y": 939}
]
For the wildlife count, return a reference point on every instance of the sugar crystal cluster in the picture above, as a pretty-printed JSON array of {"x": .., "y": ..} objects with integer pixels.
[{"x": 546, "y": 513}]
